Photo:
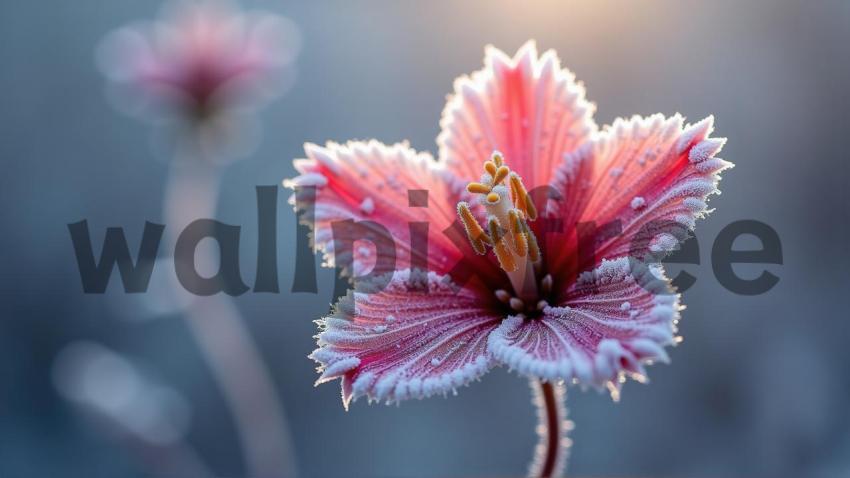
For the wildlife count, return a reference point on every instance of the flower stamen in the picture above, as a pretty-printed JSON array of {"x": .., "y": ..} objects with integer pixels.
[
  {"x": 506, "y": 259},
  {"x": 500, "y": 175},
  {"x": 503, "y": 295},
  {"x": 507, "y": 230},
  {"x": 477, "y": 237},
  {"x": 527, "y": 307},
  {"x": 533, "y": 247},
  {"x": 517, "y": 304},
  {"x": 478, "y": 188},
  {"x": 519, "y": 233},
  {"x": 521, "y": 198}
]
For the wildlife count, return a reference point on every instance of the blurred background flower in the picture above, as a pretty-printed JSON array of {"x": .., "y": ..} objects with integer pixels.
[{"x": 201, "y": 69}]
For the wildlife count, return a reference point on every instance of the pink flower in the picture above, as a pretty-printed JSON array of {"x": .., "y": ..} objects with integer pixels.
[
  {"x": 519, "y": 154},
  {"x": 200, "y": 60}
]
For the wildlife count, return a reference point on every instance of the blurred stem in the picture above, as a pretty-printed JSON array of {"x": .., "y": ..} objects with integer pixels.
[
  {"x": 550, "y": 457},
  {"x": 223, "y": 338}
]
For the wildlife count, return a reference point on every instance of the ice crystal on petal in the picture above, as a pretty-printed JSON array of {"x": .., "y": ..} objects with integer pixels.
[
  {"x": 595, "y": 339},
  {"x": 367, "y": 206},
  {"x": 638, "y": 202},
  {"x": 437, "y": 342}
]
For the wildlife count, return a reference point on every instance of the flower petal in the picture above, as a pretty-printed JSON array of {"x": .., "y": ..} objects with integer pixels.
[
  {"x": 615, "y": 318},
  {"x": 650, "y": 174},
  {"x": 371, "y": 181},
  {"x": 417, "y": 337},
  {"x": 528, "y": 107}
]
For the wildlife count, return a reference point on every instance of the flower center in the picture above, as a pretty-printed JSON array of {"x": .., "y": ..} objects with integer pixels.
[{"x": 506, "y": 231}]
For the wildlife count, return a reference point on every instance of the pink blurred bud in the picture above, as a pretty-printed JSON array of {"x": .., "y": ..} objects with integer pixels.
[{"x": 200, "y": 63}]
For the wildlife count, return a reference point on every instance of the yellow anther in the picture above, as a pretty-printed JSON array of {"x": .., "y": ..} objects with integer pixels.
[
  {"x": 491, "y": 168},
  {"x": 497, "y": 158},
  {"x": 522, "y": 200},
  {"x": 501, "y": 174},
  {"x": 517, "y": 192},
  {"x": 533, "y": 248},
  {"x": 518, "y": 233},
  {"x": 478, "y": 246},
  {"x": 478, "y": 188},
  {"x": 506, "y": 259},
  {"x": 493, "y": 198},
  {"x": 530, "y": 209},
  {"x": 477, "y": 237}
]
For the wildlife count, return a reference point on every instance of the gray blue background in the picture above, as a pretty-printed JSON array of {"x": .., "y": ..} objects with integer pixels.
[{"x": 759, "y": 388}]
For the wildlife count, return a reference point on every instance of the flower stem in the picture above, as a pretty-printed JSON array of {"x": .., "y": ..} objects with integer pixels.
[
  {"x": 550, "y": 457},
  {"x": 224, "y": 339}
]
